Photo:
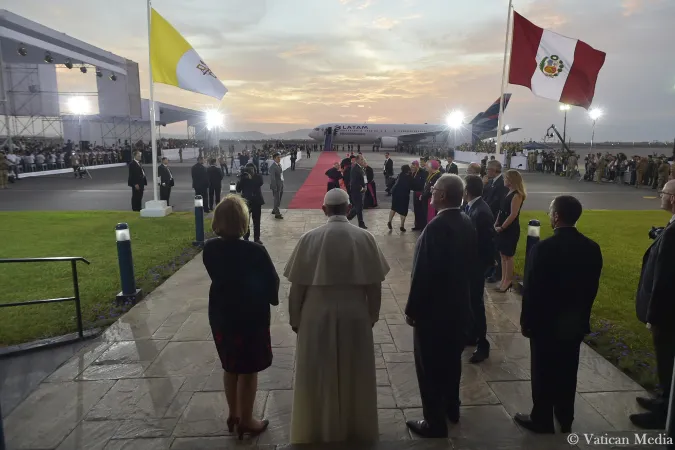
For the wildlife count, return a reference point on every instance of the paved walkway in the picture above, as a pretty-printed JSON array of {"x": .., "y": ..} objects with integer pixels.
[{"x": 153, "y": 380}]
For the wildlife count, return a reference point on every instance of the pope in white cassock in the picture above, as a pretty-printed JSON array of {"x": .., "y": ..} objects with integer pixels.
[{"x": 336, "y": 273}]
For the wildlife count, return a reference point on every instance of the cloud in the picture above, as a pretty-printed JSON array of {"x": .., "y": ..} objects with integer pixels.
[
  {"x": 632, "y": 7},
  {"x": 385, "y": 23}
]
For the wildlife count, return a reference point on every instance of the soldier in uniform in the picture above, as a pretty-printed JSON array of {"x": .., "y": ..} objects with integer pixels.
[
  {"x": 641, "y": 171},
  {"x": 664, "y": 173}
]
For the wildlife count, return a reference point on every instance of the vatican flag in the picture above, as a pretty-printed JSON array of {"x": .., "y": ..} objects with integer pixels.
[{"x": 176, "y": 63}]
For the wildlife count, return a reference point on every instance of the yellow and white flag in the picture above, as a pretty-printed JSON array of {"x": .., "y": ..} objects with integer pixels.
[{"x": 176, "y": 63}]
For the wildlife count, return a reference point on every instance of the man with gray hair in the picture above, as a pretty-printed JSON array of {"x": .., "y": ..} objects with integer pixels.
[
  {"x": 493, "y": 194},
  {"x": 473, "y": 169},
  {"x": 439, "y": 306}
]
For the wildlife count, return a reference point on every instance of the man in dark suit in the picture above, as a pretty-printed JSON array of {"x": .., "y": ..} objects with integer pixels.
[
  {"x": 451, "y": 167},
  {"x": 215, "y": 176},
  {"x": 388, "y": 172},
  {"x": 165, "y": 180},
  {"x": 561, "y": 282},
  {"x": 200, "y": 182},
  {"x": 137, "y": 182},
  {"x": 357, "y": 186},
  {"x": 419, "y": 206},
  {"x": 493, "y": 194},
  {"x": 655, "y": 307},
  {"x": 441, "y": 318},
  {"x": 484, "y": 223}
]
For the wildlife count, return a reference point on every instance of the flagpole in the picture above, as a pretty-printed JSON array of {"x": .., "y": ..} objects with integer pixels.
[
  {"x": 153, "y": 130},
  {"x": 507, "y": 62}
]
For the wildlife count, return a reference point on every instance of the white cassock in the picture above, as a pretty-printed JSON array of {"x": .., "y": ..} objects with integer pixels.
[{"x": 336, "y": 273}]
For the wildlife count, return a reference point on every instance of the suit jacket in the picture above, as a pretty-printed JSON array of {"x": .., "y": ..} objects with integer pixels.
[
  {"x": 561, "y": 282},
  {"x": 419, "y": 180},
  {"x": 165, "y": 176},
  {"x": 356, "y": 181},
  {"x": 215, "y": 176},
  {"x": 276, "y": 183},
  {"x": 484, "y": 222},
  {"x": 442, "y": 268},
  {"x": 654, "y": 300},
  {"x": 200, "y": 179},
  {"x": 136, "y": 174},
  {"x": 389, "y": 168},
  {"x": 495, "y": 193},
  {"x": 452, "y": 168}
]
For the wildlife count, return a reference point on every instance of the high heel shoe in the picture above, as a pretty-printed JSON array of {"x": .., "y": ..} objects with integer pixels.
[
  {"x": 506, "y": 289},
  {"x": 389, "y": 225},
  {"x": 402, "y": 229},
  {"x": 252, "y": 432},
  {"x": 231, "y": 423}
]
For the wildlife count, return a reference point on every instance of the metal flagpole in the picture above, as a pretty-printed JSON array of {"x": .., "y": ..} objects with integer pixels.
[
  {"x": 153, "y": 130},
  {"x": 504, "y": 79},
  {"x": 5, "y": 102}
]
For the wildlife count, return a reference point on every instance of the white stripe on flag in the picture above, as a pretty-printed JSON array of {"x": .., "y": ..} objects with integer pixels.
[
  {"x": 193, "y": 75},
  {"x": 544, "y": 82}
]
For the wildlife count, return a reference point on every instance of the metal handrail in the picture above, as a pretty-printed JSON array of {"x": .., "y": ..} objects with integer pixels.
[{"x": 76, "y": 287}]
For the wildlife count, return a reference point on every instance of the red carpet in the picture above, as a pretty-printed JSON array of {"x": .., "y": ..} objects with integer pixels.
[{"x": 311, "y": 193}]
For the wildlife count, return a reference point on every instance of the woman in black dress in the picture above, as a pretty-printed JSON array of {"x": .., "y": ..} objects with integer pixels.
[
  {"x": 507, "y": 225},
  {"x": 244, "y": 283},
  {"x": 249, "y": 186},
  {"x": 400, "y": 196},
  {"x": 370, "y": 198}
]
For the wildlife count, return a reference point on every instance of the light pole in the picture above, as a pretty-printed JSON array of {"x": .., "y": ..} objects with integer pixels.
[
  {"x": 594, "y": 114},
  {"x": 564, "y": 107}
]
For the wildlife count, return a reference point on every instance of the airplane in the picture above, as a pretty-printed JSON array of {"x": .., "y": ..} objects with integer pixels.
[{"x": 483, "y": 126}]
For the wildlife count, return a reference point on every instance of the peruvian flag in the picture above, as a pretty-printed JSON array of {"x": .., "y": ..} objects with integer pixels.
[{"x": 553, "y": 66}]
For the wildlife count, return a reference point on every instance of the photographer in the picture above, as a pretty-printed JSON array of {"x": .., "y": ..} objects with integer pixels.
[
  {"x": 249, "y": 185},
  {"x": 655, "y": 308}
]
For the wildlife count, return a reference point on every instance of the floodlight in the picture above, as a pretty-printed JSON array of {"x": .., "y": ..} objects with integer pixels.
[
  {"x": 83, "y": 69},
  {"x": 564, "y": 107},
  {"x": 48, "y": 58},
  {"x": 595, "y": 114},
  {"x": 78, "y": 105},
  {"x": 68, "y": 63},
  {"x": 507, "y": 128},
  {"x": 99, "y": 73},
  {"x": 214, "y": 119},
  {"x": 113, "y": 77},
  {"x": 22, "y": 50},
  {"x": 455, "y": 119}
]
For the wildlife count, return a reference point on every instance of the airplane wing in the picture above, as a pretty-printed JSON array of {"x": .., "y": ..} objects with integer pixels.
[{"x": 493, "y": 133}]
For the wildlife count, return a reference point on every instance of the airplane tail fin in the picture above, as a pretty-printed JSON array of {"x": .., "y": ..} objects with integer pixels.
[{"x": 487, "y": 120}]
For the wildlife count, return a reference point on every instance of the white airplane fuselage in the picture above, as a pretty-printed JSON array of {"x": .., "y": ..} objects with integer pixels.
[{"x": 372, "y": 133}]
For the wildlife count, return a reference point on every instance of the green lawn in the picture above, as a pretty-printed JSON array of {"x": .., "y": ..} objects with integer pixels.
[
  {"x": 160, "y": 246},
  {"x": 622, "y": 236}
]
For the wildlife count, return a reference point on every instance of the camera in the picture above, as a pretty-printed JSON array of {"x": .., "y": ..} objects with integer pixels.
[{"x": 655, "y": 232}]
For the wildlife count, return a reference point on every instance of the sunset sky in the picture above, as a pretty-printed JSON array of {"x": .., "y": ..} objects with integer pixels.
[{"x": 292, "y": 64}]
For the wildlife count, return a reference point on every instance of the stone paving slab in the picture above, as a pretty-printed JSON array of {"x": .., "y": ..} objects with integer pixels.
[{"x": 153, "y": 379}]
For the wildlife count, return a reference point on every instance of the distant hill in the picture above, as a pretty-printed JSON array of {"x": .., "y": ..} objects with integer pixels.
[{"x": 258, "y": 136}]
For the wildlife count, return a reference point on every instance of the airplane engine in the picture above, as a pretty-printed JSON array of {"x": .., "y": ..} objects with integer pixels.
[{"x": 388, "y": 142}]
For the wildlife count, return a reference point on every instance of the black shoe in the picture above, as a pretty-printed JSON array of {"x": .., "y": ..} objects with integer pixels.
[
  {"x": 654, "y": 405},
  {"x": 525, "y": 421},
  {"x": 389, "y": 225},
  {"x": 417, "y": 229},
  {"x": 649, "y": 421},
  {"x": 258, "y": 241},
  {"x": 363, "y": 225},
  {"x": 403, "y": 230},
  {"x": 278, "y": 216},
  {"x": 422, "y": 428},
  {"x": 453, "y": 414},
  {"x": 481, "y": 353}
]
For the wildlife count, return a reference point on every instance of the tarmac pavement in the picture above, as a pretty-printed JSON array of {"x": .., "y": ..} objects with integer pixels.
[{"x": 108, "y": 190}]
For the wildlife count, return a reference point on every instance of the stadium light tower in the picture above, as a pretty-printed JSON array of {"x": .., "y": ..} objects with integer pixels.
[
  {"x": 564, "y": 107},
  {"x": 215, "y": 120},
  {"x": 594, "y": 114},
  {"x": 79, "y": 106},
  {"x": 455, "y": 120}
]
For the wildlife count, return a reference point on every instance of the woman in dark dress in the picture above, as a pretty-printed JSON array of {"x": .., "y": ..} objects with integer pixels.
[
  {"x": 370, "y": 198},
  {"x": 244, "y": 283},
  {"x": 507, "y": 225},
  {"x": 400, "y": 196},
  {"x": 249, "y": 186}
]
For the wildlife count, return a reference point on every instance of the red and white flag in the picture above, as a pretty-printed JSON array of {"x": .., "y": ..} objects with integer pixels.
[{"x": 553, "y": 66}]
